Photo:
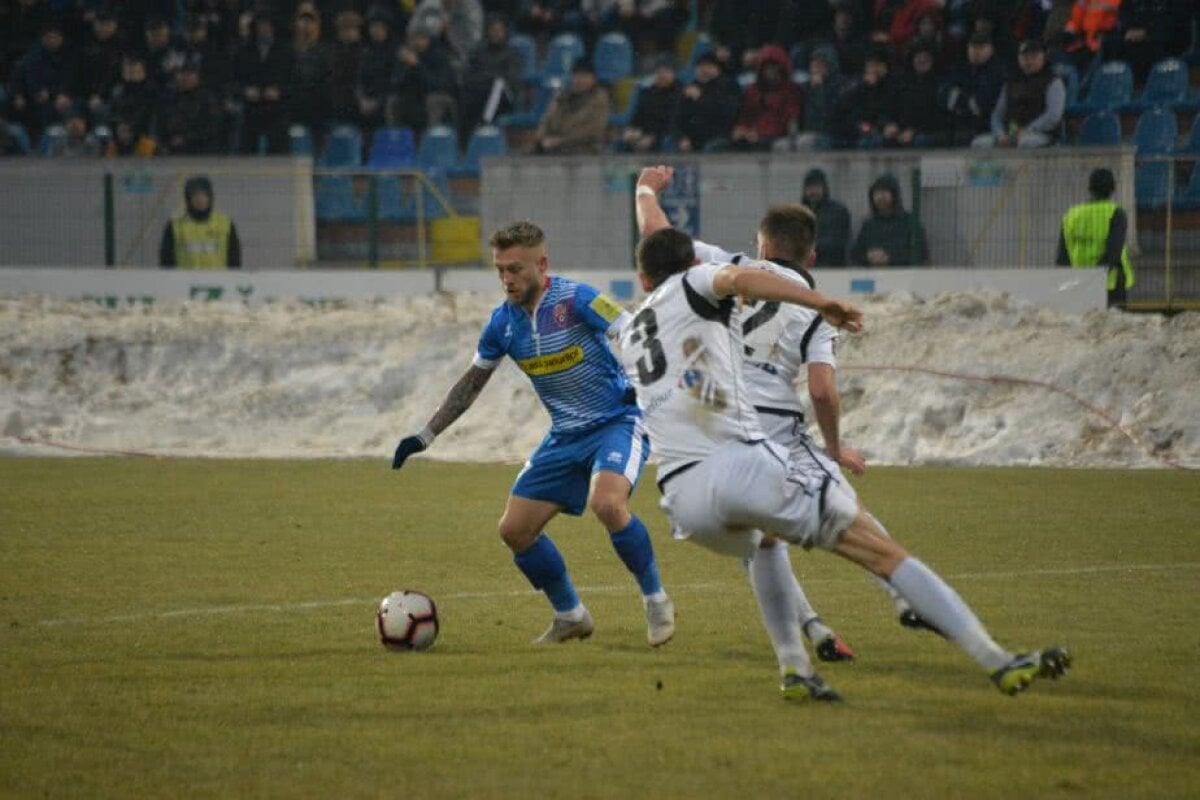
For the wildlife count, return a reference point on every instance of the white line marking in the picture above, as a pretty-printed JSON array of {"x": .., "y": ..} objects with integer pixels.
[{"x": 212, "y": 611}]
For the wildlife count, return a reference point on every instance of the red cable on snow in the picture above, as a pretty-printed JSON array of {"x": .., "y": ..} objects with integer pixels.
[{"x": 99, "y": 451}]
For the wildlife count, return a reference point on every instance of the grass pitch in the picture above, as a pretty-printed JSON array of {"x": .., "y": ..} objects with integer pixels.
[{"x": 205, "y": 628}]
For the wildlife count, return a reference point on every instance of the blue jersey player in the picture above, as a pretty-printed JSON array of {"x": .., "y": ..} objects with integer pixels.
[{"x": 556, "y": 331}]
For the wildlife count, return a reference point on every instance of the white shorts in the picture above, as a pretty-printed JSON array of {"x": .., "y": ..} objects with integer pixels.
[
  {"x": 725, "y": 501},
  {"x": 792, "y": 433}
]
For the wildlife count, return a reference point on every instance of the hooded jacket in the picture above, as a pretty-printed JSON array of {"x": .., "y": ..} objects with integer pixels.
[
  {"x": 767, "y": 110},
  {"x": 820, "y": 102},
  {"x": 833, "y": 224},
  {"x": 579, "y": 120},
  {"x": 900, "y": 234},
  {"x": 212, "y": 229}
]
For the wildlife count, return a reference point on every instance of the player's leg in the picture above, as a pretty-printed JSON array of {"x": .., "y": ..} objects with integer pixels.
[
  {"x": 617, "y": 463},
  {"x": 545, "y": 487},
  {"x": 934, "y": 600},
  {"x": 904, "y": 613}
]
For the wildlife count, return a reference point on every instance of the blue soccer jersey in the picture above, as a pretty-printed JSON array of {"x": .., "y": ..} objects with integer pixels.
[{"x": 563, "y": 349}]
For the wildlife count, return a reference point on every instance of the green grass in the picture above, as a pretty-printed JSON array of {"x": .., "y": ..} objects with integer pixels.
[{"x": 105, "y": 691}]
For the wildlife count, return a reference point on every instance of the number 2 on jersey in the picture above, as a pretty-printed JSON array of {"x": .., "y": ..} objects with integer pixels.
[{"x": 645, "y": 326}]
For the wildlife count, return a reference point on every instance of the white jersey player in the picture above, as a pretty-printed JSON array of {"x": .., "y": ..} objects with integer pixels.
[{"x": 724, "y": 482}]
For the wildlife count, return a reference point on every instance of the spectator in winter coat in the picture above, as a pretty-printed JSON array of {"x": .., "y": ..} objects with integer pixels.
[
  {"x": 1030, "y": 108},
  {"x": 215, "y": 60},
  {"x": 309, "y": 88},
  {"x": 375, "y": 72},
  {"x": 77, "y": 142},
  {"x": 658, "y": 104},
  {"x": 345, "y": 60},
  {"x": 971, "y": 91},
  {"x": 441, "y": 81},
  {"x": 162, "y": 59},
  {"x": 459, "y": 22},
  {"x": 868, "y": 111},
  {"x": 577, "y": 119},
  {"x": 922, "y": 120},
  {"x": 264, "y": 68},
  {"x": 1147, "y": 32},
  {"x": 708, "y": 108},
  {"x": 825, "y": 86},
  {"x": 191, "y": 121},
  {"x": 772, "y": 105},
  {"x": 100, "y": 63},
  {"x": 833, "y": 220},
  {"x": 494, "y": 71},
  {"x": 846, "y": 40},
  {"x": 892, "y": 237},
  {"x": 43, "y": 83},
  {"x": 135, "y": 100},
  {"x": 408, "y": 91}
]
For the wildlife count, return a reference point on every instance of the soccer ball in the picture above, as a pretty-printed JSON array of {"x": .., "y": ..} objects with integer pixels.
[{"x": 407, "y": 620}]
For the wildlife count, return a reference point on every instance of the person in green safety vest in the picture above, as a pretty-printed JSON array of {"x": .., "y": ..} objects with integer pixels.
[
  {"x": 200, "y": 238},
  {"x": 1093, "y": 235}
]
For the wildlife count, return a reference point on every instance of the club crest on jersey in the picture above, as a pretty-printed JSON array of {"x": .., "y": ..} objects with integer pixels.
[{"x": 562, "y": 316}]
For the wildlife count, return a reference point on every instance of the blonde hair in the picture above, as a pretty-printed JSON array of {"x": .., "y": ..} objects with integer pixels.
[{"x": 518, "y": 234}]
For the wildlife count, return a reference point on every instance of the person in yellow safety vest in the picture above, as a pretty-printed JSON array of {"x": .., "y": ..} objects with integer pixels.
[
  {"x": 200, "y": 238},
  {"x": 1093, "y": 235}
]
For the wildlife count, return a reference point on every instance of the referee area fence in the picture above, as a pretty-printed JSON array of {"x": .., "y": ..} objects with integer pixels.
[{"x": 977, "y": 208}]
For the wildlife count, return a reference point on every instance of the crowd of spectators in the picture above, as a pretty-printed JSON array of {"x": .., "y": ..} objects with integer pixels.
[{"x": 219, "y": 76}]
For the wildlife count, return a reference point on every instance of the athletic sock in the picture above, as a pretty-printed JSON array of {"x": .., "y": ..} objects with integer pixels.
[
  {"x": 632, "y": 544},
  {"x": 898, "y": 602},
  {"x": 810, "y": 621},
  {"x": 543, "y": 565},
  {"x": 774, "y": 587},
  {"x": 937, "y": 603}
]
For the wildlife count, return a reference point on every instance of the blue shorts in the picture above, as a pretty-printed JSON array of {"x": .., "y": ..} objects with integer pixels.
[{"x": 560, "y": 470}]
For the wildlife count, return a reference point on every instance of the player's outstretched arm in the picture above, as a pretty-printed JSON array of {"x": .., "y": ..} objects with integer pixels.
[
  {"x": 650, "y": 215},
  {"x": 759, "y": 284},
  {"x": 826, "y": 405},
  {"x": 459, "y": 399}
]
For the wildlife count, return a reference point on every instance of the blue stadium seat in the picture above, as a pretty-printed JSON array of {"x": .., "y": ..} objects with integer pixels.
[
  {"x": 1155, "y": 133},
  {"x": 624, "y": 117},
  {"x": 1070, "y": 79},
  {"x": 613, "y": 58},
  {"x": 393, "y": 148},
  {"x": 530, "y": 117},
  {"x": 1166, "y": 86},
  {"x": 50, "y": 139},
  {"x": 20, "y": 135},
  {"x": 527, "y": 47},
  {"x": 336, "y": 201},
  {"x": 1111, "y": 87},
  {"x": 702, "y": 45},
  {"x": 397, "y": 197},
  {"x": 1192, "y": 145},
  {"x": 301, "y": 140},
  {"x": 1100, "y": 128},
  {"x": 1150, "y": 182},
  {"x": 486, "y": 141},
  {"x": 439, "y": 148},
  {"x": 565, "y": 50},
  {"x": 343, "y": 148}
]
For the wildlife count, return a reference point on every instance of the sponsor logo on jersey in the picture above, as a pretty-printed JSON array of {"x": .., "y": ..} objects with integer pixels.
[
  {"x": 552, "y": 362},
  {"x": 607, "y": 309},
  {"x": 615, "y": 456}
]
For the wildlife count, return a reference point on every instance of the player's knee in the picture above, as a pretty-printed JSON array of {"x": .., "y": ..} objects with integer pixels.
[
  {"x": 611, "y": 510},
  {"x": 518, "y": 537}
]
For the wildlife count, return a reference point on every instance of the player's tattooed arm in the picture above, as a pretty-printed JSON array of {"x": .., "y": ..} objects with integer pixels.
[{"x": 460, "y": 398}]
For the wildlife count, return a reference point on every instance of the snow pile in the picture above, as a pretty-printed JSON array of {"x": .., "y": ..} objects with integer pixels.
[{"x": 293, "y": 381}]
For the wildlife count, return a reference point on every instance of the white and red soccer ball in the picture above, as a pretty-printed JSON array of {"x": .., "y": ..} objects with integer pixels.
[{"x": 407, "y": 620}]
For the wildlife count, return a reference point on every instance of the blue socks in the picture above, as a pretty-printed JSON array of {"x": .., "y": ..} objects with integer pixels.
[
  {"x": 632, "y": 544},
  {"x": 543, "y": 565}
]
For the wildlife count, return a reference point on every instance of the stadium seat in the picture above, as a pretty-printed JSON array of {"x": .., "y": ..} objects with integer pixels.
[
  {"x": 525, "y": 45},
  {"x": 1111, "y": 88},
  {"x": 1155, "y": 133},
  {"x": 530, "y": 117},
  {"x": 336, "y": 201},
  {"x": 50, "y": 139},
  {"x": 1192, "y": 145},
  {"x": 1189, "y": 196},
  {"x": 393, "y": 148},
  {"x": 702, "y": 45},
  {"x": 1100, "y": 128},
  {"x": 624, "y": 117},
  {"x": 20, "y": 136},
  {"x": 396, "y": 197},
  {"x": 301, "y": 140},
  {"x": 1150, "y": 183},
  {"x": 486, "y": 141},
  {"x": 613, "y": 58},
  {"x": 343, "y": 148},
  {"x": 1070, "y": 79},
  {"x": 565, "y": 50},
  {"x": 439, "y": 148},
  {"x": 1166, "y": 86}
]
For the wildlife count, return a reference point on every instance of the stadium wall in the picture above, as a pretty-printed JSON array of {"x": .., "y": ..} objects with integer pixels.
[
  {"x": 980, "y": 208},
  {"x": 1070, "y": 291}
]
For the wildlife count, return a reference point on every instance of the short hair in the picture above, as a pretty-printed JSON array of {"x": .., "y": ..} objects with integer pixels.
[
  {"x": 517, "y": 234},
  {"x": 1101, "y": 183},
  {"x": 791, "y": 229},
  {"x": 664, "y": 253}
]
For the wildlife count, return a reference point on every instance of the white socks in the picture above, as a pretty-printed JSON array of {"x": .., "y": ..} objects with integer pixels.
[
  {"x": 574, "y": 615},
  {"x": 938, "y": 604},
  {"x": 777, "y": 593}
]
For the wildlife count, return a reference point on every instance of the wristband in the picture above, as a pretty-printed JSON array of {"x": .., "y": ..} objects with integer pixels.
[{"x": 647, "y": 191}]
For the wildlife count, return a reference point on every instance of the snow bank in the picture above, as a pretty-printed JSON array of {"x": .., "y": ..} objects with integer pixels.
[{"x": 293, "y": 381}]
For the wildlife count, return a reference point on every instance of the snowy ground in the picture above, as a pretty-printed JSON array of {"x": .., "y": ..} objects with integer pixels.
[{"x": 292, "y": 381}]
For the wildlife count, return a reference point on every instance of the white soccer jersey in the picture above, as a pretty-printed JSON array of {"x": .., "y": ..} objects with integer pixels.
[
  {"x": 779, "y": 338},
  {"x": 683, "y": 354}
]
